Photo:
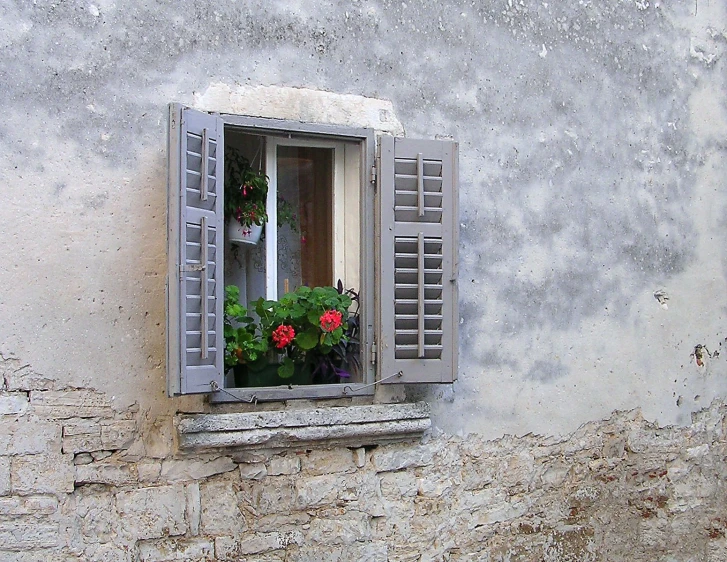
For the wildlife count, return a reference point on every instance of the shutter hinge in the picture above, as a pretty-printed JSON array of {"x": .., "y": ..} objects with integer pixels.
[
  {"x": 192, "y": 267},
  {"x": 373, "y": 352},
  {"x": 373, "y": 174}
]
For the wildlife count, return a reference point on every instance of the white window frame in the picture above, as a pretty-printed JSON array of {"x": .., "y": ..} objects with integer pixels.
[
  {"x": 288, "y": 133},
  {"x": 271, "y": 237}
]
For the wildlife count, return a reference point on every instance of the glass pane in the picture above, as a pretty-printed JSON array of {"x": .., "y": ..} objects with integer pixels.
[{"x": 305, "y": 217}]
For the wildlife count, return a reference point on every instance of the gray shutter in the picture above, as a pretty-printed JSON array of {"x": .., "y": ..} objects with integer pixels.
[
  {"x": 195, "y": 291},
  {"x": 418, "y": 260}
]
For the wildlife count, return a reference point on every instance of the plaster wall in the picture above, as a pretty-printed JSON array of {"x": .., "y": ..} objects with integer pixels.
[
  {"x": 592, "y": 168},
  {"x": 592, "y": 176}
]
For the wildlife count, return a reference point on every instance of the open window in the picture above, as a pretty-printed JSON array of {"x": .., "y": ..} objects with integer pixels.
[{"x": 384, "y": 224}]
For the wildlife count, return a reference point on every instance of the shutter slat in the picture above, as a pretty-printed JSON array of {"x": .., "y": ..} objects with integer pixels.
[
  {"x": 195, "y": 336},
  {"x": 417, "y": 216}
]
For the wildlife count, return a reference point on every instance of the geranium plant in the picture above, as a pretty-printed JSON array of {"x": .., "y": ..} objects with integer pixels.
[{"x": 305, "y": 326}]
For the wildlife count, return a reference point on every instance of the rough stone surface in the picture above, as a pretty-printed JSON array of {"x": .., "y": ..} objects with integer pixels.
[
  {"x": 152, "y": 512},
  {"x": 179, "y": 470},
  {"x": 14, "y": 403},
  {"x": 39, "y": 474},
  {"x": 620, "y": 489},
  {"x": 592, "y": 283},
  {"x": 4, "y": 476},
  {"x": 288, "y": 464},
  {"x": 166, "y": 550}
]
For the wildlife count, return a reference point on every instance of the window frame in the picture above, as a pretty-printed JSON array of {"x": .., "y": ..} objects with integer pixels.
[{"x": 366, "y": 138}]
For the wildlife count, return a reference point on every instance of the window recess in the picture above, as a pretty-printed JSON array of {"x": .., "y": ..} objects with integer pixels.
[{"x": 394, "y": 242}]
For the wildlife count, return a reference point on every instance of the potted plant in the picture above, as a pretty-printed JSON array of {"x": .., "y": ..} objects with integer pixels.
[
  {"x": 246, "y": 192},
  {"x": 306, "y": 337},
  {"x": 305, "y": 326}
]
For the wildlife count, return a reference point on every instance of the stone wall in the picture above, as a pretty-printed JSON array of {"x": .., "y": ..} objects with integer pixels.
[{"x": 81, "y": 481}]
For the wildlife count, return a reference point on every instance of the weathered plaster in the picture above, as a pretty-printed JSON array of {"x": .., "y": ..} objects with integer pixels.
[{"x": 591, "y": 163}]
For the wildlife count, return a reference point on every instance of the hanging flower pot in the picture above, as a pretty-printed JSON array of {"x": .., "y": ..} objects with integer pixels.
[{"x": 238, "y": 234}]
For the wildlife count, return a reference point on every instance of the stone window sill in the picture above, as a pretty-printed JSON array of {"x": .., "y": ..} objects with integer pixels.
[{"x": 350, "y": 426}]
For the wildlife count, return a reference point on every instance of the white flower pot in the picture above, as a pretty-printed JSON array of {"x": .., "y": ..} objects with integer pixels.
[{"x": 238, "y": 234}]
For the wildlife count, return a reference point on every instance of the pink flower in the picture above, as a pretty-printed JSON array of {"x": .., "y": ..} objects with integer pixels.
[
  {"x": 283, "y": 335},
  {"x": 330, "y": 320}
]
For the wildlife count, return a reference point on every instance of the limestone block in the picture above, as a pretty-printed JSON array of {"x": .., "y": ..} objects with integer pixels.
[
  {"x": 149, "y": 470},
  {"x": 662, "y": 440},
  {"x": 17, "y": 506},
  {"x": 170, "y": 549},
  {"x": 322, "y": 461},
  {"x": 435, "y": 485},
  {"x": 194, "y": 507},
  {"x": 152, "y": 512},
  {"x": 253, "y": 471},
  {"x": 4, "y": 476},
  {"x": 396, "y": 457},
  {"x": 359, "y": 457},
  {"x": 274, "y": 494},
  {"x": 101, "y": 455},
  {"x": 90, "y": 436},
  {"x": 286, "y": 464},
  {"x": 109, "y": 552},
  {"x": 226, "y": 550},
  {"x": 81, "y": 436},
  {"x": 82, "y": 458},
  {"x": 64, "y": 404},
  {"x": 99, "y": 520},
  {"x": 105, "y": 473},
  {"x": 279, "y": 522},
  {"x": 396, "y": 485},
  {"x": 42, "y": 555},
  {"x": 478, "y": 474},
  {"x": 220, "y": 511},
  {"x": 346, "y": 529},
  {"x": 359, "y": 552},
  {"x": 180, "y": 470},
  {"x": 229, "y": 548},
  {"x": 14, "y": 403},
  {"x": 42, "y": 474},
  {"x": 23, "y": 535},
  {"x": 26, "y": 437},
  {"x": 315, "y": 491},
  {"x": 119, "y": 434}
]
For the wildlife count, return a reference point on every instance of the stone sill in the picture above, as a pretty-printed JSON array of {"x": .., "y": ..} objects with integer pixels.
[{"x": 349, "y": 426}]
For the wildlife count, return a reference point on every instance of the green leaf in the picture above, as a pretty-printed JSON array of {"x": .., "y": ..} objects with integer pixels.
[
  {"x": 308, "y": 339},
  {"x": 314, "y": 318},
  {"x": 287, "y": 369}
]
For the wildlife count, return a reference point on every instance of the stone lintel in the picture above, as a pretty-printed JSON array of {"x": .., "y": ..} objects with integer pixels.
[{"x": 352, "y": 426}]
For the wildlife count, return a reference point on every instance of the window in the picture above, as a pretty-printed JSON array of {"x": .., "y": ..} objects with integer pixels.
[{"x": 384, "y": 222}]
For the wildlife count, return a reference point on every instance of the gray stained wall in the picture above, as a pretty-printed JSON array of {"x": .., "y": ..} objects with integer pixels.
[{"x": 592, "y": 264}]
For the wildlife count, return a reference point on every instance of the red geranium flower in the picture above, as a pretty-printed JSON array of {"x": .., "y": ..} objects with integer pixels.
[
  {"x": 330, "y": 320},
  {"x": 283, "y": 335}
]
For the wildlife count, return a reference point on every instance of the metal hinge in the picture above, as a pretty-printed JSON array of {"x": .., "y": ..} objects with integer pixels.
[
  {"x": 373, "y": 352},
  {"x": 373, "y": 174}
]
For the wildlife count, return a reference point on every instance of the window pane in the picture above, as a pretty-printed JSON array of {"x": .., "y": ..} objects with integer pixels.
[{"x": 305, "y": 234}]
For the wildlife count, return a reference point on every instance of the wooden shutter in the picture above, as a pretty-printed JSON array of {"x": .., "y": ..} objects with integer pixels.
[
  {"x": 195, "y": 292},
  {"x": 417, "y": 262}
]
